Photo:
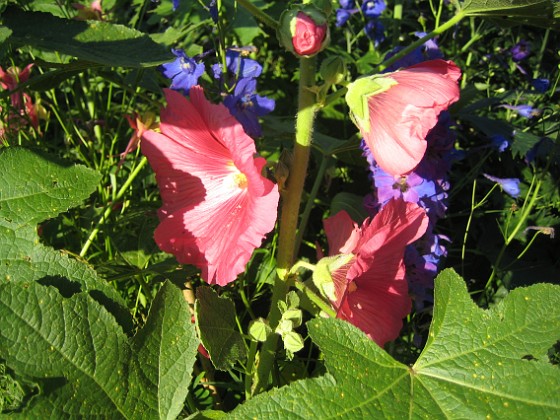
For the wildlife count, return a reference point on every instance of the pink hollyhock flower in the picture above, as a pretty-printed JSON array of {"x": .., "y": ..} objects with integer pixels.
[
  {"x": 395, "y": 111},
  {"x": 370, "y": 289},
  {"x": 217, "y": 207},
  {"x": 308, "y": 36}
]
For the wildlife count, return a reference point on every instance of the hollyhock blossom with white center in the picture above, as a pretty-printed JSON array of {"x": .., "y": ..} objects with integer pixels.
[
  {"x": 217, "y": 207},
  {"x": 370, "y": 290},
  {"x": 395, "y": 111}
]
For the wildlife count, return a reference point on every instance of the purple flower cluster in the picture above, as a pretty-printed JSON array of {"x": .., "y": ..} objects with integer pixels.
[
  {"x": 243, "y": 103},
  {"x": 371, "y": 10},
  {"x": 184, "y": 71},
  {"x": 426, "y": 185}
]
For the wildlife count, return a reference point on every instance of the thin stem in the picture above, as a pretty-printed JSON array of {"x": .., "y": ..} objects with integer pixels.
[
  {"x": 109, "y": 206},
  {"x": 313, "y": 297},
  {"x": 311, "y": 201},
  {"x": 439, "y": 30},
  {"x": 258, "y": 13}
]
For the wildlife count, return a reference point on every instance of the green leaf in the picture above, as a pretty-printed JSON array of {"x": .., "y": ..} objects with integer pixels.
[
  {"x": 35, "y": 187},
  {"x": 523, "y": 142},
  {"x": 529, "y": 8},
  {"x": 473, "y": 365},
  {"x": 99, "y": 42},
  {"x": 215, "y": 320},
  {"x": 92, "y": 368},
  {"x": 352, "y": 203},
  {"x": 4, "y": 34}
]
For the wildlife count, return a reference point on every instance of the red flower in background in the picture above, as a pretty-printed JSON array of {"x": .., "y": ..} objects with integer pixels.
[
  {"x": 370, "y": 290},
  {"x": 217, "y": 207},
  {"x": 402, "y": 107}
]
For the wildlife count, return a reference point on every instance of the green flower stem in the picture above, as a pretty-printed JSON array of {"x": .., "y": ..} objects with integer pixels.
[
  {"x": 298, "y": 170},
  {"x": 311, "y": 200},
  {"x": 289, "y": 218},
  {"x": 258, "y": 13},
  {"x": 438, "y": 31},
  {"x": 313, "y": 297},
  {"x": 109, "y": 206},
  {"x": 528, "y": 205}
]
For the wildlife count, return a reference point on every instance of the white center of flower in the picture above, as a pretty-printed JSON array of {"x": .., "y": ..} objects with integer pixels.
[{"x": 235, "y": 179}]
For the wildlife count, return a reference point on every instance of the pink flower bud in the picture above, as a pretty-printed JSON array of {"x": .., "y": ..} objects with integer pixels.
[{"x": 309, "y": 36}]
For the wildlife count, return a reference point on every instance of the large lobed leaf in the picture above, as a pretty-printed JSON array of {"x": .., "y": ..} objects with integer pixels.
[
  {"x": 99, "y": 42},
  {"x": 473, "y": 366},
  {"x": 542, "y": 13},
  {"x": 35, "y": 187},
  {"x": 93, "y": 368}
]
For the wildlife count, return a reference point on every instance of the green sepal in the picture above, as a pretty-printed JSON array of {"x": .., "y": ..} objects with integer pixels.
[
  {"x": 358, "y": 94},
  {"x": 322, "y": 277}
]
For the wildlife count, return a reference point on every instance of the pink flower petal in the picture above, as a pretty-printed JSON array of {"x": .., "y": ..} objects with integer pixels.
[
  {"x": 217, "y": 206},
  {"x": 402, "y": 116},
  {"x": 342, "y": 233},
  {"x": 375, "y": 298}
]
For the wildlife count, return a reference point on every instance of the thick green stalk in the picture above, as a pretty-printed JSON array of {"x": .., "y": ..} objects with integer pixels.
[
  {"x": 298, "y": 170},
  {"x": 290, "y": 215}
]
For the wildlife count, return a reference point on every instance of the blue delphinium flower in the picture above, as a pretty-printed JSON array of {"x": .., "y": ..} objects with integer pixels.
[
  {"x": 520, "y": 50},
  {"x": 375, "y": 31},
  {"x": 540, "y": 85},
  {"x": 238, "y": 66},
  {"x": 509, "y": 185},
  {"x": 213, "y": 9},
  {"x": 499, "y": 142},
  {"x": 342, "y": 15},
  {"x": 246, "y": 106},
  {"x": 175, "y": 4},
  {"x": 373, "y": 8},
  {"x": 347, "y": 4},
  {"x": 346, "y": 10},
  {"x": 426, "y": 185},
  {"x": 184, "y": 71},
  {"x": 526, "y": 111}
]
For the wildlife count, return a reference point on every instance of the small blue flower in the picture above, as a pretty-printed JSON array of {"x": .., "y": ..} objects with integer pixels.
[
  {"x": 540, "y": 85},
  {"x": 241, "y": 66},
  {"x": 246, "y": 106},
  {"x": 184, "y": 71},
  {"x": 375, "y": 31},
  {"x": 347, "y": 4},
  {"x": 373, "y": 8},
  {"x": 175, "y": 4},
  {"x": 509, "y": 185},
  {"x": 526, "y": 111},
  {"x": 520, "y": 50},
  {"x": 213, "y": 9},
  {"x": 499, "y": 142},
  {"x": 431, "y": 48},
  {"x": 342, "y": 16}
]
